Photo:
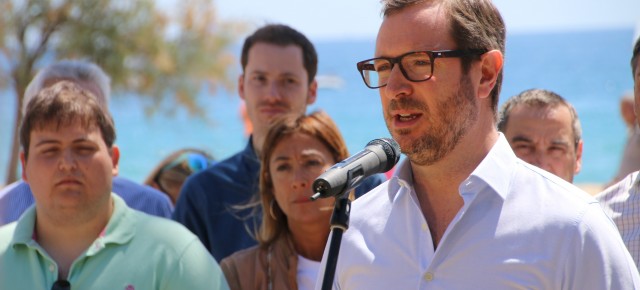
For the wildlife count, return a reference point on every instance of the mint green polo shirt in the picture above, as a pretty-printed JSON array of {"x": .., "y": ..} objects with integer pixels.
[{"x": 135, "y": 251}]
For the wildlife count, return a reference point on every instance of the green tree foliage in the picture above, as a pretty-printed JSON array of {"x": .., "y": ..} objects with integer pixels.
[{"x": 159, "y": 56}]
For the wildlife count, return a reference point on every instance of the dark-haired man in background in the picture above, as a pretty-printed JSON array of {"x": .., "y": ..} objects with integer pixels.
[{"x": 279, "y": 67}]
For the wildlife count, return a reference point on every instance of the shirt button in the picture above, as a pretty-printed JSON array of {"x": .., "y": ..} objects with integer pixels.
[
  {"x": 428, "y": 276},
  {"x": 424, "y": 227},
  {"x": 52, "y": 267}
]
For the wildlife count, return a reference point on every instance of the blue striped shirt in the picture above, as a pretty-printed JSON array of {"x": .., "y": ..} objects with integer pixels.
[{"x": 15, "y": 198}]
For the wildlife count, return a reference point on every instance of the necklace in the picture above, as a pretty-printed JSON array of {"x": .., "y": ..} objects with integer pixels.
[{"x": 269, "y": 279}]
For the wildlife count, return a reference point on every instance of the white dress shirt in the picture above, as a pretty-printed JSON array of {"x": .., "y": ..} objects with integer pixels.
[
  {"x": 520, "y": 228},
  {"x": 621, "y": 202}
]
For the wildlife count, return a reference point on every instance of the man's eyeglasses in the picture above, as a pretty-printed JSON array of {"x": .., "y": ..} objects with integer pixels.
[
  {"x": 61, "y": 285},
  {"x": 416, "y": 66}
]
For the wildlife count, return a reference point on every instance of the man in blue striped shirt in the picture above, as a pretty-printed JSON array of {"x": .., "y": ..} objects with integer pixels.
[{"x": 15, "y": 198}]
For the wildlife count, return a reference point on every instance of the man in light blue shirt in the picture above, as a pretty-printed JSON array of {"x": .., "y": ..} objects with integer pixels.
[
  {"x": 78, "y": 233},
  {"x": 15, "y": 198},
  {"x": 462, "y": 211}
]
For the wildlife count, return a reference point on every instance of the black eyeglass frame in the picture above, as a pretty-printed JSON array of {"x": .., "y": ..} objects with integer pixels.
[{"x": 432, "y": 56}]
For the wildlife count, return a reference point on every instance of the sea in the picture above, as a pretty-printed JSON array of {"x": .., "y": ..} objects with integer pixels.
[{"x": 589, "y": 68}]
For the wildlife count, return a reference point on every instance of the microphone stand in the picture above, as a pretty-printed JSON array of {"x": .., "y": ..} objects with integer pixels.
[{"x": 339, "y": 224}]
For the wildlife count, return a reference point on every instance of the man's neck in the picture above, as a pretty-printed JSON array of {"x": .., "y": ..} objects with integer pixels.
[
  {"x": 65, "y": 241},
  {"x": 437, "y": 185},
  {"x": 257, "y": 140}
]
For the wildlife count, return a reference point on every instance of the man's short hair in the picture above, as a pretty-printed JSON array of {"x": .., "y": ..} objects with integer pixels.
[
  {"x": 634, "y": 58},
  {"x": 283, "y": 35},
  {"x": 71, "y": 70},
  {"x": 475, "y": 24},
  {"x": 538, "y": 98},
  {"x": 62, "y": 104}
]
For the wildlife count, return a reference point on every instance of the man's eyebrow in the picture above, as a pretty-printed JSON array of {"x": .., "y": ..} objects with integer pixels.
[
  {"x": 520, "y": 138},
  {"x": 46, "y": 142},
  {"x": 559, "y": 141}
]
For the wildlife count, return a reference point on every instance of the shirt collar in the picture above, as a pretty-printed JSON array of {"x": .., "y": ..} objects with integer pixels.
[
  {"x": 121, "y": 226},
  {"x": 250, "y": 157},
  {"x": 402, "y": 177},
  {"x": 119, "y": 230},
  {"x": 25, "y": 227},
  {"x": 492, "y": 171}
]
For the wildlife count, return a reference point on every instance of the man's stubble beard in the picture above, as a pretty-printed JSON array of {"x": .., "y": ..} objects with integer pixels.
[{"x": 455, "y": 116}]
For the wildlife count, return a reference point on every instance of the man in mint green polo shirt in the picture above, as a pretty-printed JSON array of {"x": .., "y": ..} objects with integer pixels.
[{"x": 78, "y": 234}]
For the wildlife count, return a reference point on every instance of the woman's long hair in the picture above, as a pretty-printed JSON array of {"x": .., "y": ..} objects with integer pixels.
[{"x": 318, "y": 125}]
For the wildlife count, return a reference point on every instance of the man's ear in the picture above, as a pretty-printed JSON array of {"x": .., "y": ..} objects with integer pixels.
[
  {"x": 23, "y": 162},
  {"x": 115, "y": 157},
  {"x": 491, "y": 63},
  {"x": 578, "y": 158},
  {"x": 241, "y": 86},
  {"x": 312, "y": 94}
]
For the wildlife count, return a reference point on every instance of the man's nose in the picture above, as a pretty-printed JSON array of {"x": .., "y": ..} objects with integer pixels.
[
  {"x": 274, "y": 91},
  {"x": 67, "y": 160}
]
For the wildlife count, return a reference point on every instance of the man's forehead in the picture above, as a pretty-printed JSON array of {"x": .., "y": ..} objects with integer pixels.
[
  {"x": 430, "y": 30},
  {"x": 535, "y": 123},
  {"x": 542, "y": 111},
  {"x": 266, "y": 57},
  {"x": 61, "y": 128}
]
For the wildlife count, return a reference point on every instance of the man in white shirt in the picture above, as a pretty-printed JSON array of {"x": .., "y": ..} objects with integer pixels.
[
  {"x": 543, "y": 129},
  {"x": 462, "y": 211},
  {"x": 621, "y": 201}
]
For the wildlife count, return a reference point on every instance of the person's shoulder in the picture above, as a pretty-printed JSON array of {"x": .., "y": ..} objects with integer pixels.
[
  {"x": 7, "y": 232},
  {"x": 129, "y": 186},
  {"x": 163, "y": 231},
  {"x": 125, "y": 187},
  {"x": 19, "y": 187},
  {"x": 530, "y": 176},
  {"x": 549, "y": 197},
  {"x": 242, "y": 258},
  {"x": 142, "y": 197},
  {"x": 218, "y": 172},
  {"x": 622, "y": 187},
  {"x": 242, "y": 265}
]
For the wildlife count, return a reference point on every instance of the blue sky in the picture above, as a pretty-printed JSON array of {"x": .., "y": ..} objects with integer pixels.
[{"x": 341, "y": 19}]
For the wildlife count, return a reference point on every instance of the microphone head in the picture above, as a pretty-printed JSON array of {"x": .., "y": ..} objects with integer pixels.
[{"x": 391, "y": 150}]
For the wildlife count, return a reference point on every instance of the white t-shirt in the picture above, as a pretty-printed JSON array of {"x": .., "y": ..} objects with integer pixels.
[{"x": 307, "y": 273}]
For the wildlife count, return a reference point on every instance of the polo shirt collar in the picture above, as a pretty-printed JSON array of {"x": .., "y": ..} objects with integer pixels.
[
  {"x": 25, "y": 228},
  {"x": 121, "y": 226},
  {"x": 119, "y": 230}
]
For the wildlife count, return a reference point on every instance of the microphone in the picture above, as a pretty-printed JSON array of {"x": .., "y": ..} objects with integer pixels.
[{"x": 380, "y": 155}]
